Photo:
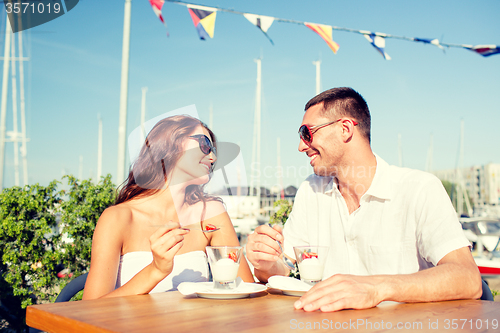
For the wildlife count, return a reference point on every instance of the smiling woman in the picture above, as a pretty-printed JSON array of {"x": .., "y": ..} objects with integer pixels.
[
  {"x": 139, "y": 246},
  {"x": 166, "y": 145}
]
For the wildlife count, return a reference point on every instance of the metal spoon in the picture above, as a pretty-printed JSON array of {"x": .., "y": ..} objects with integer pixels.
[
  {"x": 184, "y": 228},
  {"x": 287, "y": 261},
  {"x": 202, "y": 230}
]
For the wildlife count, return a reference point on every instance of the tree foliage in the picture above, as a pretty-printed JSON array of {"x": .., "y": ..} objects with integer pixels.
[
  {"x": 280, "y": 216},
  {"x": 85, "y": 203},
  {"x": 282, "y": 213},
  {"x": 28, "y": 247},
  {"x": 32, "y": 244}
]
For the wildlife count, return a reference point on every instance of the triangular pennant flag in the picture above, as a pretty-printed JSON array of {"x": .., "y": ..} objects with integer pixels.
[
  {"x": 325, "y": 31},
  {"x": 157, "y": 5},
  {"x": 262, "y": 22},
  {"x": 378, "y": 42},
  {"x": 434, "y": 41},
  {"x": 203, "y": 19},
  {"x": 485, "y": 50}
]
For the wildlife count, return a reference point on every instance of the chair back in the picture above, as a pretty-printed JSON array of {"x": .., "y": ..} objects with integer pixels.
[
  {"x": 487, "y": 295},
  {"x": 70, "y": 290}
]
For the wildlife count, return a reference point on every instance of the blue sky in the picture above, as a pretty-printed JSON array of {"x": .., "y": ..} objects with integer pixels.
[{"x": 75, "y": 66}]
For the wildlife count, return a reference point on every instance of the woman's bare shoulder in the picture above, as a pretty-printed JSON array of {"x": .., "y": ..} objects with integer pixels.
[
  {"x": 214, "y": 208},
  {"x": 116, "y": 216}
]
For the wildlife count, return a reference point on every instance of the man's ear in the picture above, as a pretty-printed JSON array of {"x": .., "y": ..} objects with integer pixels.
[{"x": 347, "y": 129}]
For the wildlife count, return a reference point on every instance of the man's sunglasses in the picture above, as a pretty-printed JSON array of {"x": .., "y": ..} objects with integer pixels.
[
  {"x": 306, "y": 132},
  {"x": 206, "y": 145}
]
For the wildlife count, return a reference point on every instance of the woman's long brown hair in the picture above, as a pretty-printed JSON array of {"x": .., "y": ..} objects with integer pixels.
[{"x": 157, "y": 158}]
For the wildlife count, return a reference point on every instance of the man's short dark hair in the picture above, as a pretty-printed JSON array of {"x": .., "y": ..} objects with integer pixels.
[{"x": 344, "y": 102}]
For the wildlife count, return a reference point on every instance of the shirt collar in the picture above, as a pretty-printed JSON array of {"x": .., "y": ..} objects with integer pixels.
[
  {"x": 323, "y": 184},
  {"x": 381, "y": 185},
  {"x": 331, "y": 186}
]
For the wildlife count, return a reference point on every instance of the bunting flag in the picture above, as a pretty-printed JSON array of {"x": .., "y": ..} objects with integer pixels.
[
  {"x": 485, "y": 50},
  {"x": 157, "y": 5},
  {"x": 325, "y": 31},
  {"x": 378, "y": 41},
  {"x": 262, "y": 22},
  {"x": 434, "y": 41},
  {"x": 203, "y": 19}
]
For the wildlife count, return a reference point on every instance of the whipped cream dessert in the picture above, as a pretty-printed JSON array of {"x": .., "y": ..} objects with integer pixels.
[
  {"x": 225, "y": 270},
  {"x": 311, "y": 269}
]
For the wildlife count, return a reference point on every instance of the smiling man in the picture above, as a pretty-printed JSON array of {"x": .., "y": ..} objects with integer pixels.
[{"x": 393, "y": 233}]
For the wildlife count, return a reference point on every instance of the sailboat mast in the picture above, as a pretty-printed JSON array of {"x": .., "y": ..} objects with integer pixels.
[
  {"x": 462, "y": 196},
  {"x": 3, "y": 107},
  {"x": 15, "y": 134},
  {"x": 122, "y": 125},
  {"x": 462, "y": 153},
  {"x": 256, "y": 138},
  {"x": 143, "y": 112},
  {"x": 318, "y": 76},
  {"x": 24, "y": 149},
  {"x": 281, "y": 193},
  {"x": 462, "y": 144}
]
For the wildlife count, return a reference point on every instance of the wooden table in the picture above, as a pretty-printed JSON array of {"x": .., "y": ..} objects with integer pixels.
[{"x": 263, "y": 312}]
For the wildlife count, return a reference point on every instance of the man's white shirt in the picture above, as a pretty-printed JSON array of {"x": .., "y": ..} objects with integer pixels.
[{"x": 405, "y": 223}]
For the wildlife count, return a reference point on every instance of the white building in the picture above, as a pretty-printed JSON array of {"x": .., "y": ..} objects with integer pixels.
[
  {"x": 492, "y": 184},
  {"x": 481, "y": 182}
]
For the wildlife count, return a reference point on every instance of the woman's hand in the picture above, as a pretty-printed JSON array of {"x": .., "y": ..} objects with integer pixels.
[{"x": 165, "y": 243}]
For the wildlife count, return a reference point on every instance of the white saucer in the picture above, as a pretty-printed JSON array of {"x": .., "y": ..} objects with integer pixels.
[
  {"x": 297, "y": 293},
  {"x": 288, "y": 285},
  {"x": 207, "y": 290}
]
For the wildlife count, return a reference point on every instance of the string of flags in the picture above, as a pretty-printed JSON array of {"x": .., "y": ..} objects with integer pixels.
[{"x": 204, "y": 21}]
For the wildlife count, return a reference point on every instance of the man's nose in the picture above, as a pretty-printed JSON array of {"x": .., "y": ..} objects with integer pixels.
[{"x": 303, "y": 146}]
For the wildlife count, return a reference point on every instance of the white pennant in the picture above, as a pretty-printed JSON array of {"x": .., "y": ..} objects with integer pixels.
[
  {"x": 378, "y": 42},
  {"x": 261, "y": 21}
]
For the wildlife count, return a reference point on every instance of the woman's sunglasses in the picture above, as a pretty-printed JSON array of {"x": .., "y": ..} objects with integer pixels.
[
  {"x": 206, "y": 145},
  {"x": 306, "y": 133}
]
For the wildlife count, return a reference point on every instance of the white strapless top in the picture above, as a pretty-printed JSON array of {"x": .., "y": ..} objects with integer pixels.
[{"x": 188, "y": 267}]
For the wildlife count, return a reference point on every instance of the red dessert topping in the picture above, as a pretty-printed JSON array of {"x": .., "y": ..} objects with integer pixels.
[{"x": 210, "y": 227}]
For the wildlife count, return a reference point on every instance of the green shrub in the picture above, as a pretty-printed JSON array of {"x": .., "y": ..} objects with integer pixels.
[
  {"x": 280, "y": 216},
  {"x": 41, "y": 227},
  {"x": 28, "y": 247},
  {"x": 282, "y": 213},
  {"x": 85, "y": 202}
]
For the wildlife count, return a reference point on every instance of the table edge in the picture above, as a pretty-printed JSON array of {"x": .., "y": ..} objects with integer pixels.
[{"x": 35, "y": 318}]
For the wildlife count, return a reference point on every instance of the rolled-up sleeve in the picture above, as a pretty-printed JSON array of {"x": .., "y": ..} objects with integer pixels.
[{"x": 438, "y": 230}]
